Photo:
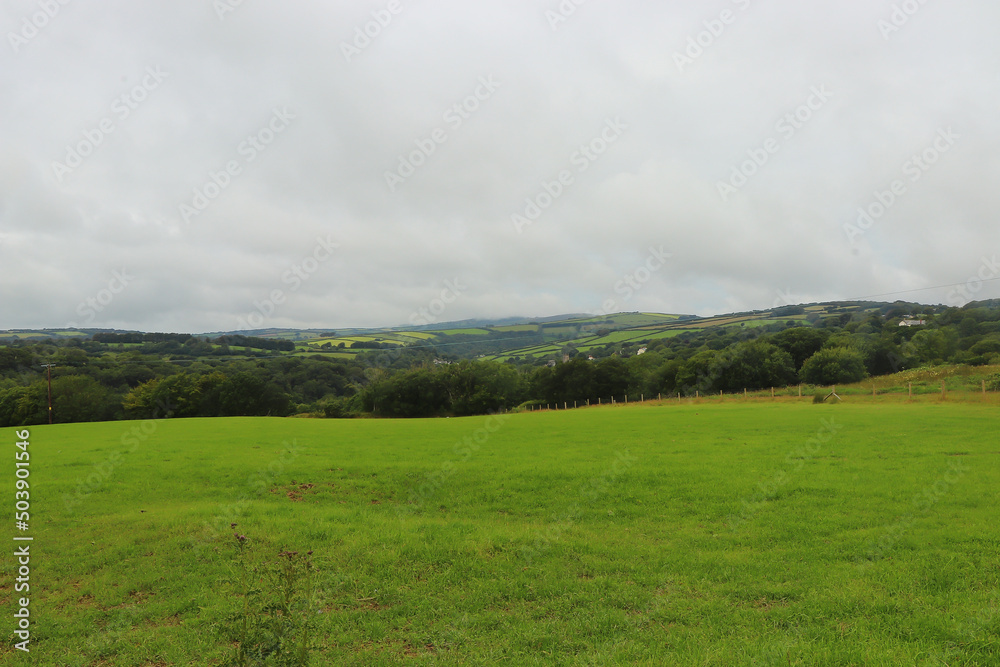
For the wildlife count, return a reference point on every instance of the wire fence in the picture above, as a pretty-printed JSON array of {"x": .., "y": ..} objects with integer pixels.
[{"x": 956, "y": 389}]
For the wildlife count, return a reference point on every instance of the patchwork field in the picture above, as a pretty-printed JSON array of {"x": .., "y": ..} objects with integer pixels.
[{"x": 726, "y": 533}]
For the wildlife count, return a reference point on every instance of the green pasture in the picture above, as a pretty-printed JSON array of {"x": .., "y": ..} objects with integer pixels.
[{"x": 744, "y": 532}]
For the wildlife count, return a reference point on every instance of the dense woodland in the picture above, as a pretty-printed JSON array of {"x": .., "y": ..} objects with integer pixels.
[{"x": 140, "y": 376}]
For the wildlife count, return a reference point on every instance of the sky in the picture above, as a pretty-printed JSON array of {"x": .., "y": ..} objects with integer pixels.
[{"x": 226, "y": 165}]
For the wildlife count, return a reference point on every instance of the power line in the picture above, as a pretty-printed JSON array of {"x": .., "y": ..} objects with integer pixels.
[{"x": 910, "y": 291}]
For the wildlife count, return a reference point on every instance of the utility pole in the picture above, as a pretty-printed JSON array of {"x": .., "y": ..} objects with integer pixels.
[{"x": 48, "y": 367}]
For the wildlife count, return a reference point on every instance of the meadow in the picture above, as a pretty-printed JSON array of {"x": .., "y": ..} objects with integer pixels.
[{"x": 681, "y": 533}]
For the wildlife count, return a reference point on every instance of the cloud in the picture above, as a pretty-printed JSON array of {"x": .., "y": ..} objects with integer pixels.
[{"x": 479, "y": 109}]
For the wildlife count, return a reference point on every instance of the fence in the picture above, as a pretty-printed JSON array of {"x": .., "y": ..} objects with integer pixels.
[{"x": 957, "y": 389}]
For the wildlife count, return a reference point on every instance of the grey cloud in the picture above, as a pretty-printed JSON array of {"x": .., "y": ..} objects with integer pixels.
[{"x": 325, "y": 173}]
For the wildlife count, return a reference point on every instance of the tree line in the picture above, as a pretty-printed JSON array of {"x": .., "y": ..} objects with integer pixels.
[{"x": 104, "y": 379}]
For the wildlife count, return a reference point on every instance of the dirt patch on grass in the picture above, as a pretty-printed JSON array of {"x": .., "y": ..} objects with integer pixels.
[{"x": 295, "y": 492}]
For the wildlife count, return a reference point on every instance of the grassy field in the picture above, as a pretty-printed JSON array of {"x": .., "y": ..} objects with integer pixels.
[{"x": 753, "y": 533}]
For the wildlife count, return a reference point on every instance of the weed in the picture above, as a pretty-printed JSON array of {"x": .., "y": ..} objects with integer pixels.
[{"x": 273, "y": 621}]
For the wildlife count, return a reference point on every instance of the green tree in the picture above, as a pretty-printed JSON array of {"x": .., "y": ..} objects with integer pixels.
[
  {"x": 698, "y": 373},
  {"x": 800, "y": 342},
  {"x": 834, "y": 365},
  {"x": 754, "y": 364},
  {"x": 24, "y": 406},
  {"x": 246, "y": 394},
  {"x": 78, "y": 398},
  {"x": 478, "y": 387}
]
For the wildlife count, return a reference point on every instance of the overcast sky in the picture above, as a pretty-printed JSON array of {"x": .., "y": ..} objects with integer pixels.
[{"x": 204, "y": 166}]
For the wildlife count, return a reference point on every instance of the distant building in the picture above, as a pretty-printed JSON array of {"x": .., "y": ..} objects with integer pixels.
[
  {"x": 912, "y": 323},
  {"x": 642, "y": 350}
]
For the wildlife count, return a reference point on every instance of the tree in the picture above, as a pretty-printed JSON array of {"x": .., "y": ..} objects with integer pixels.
[
  {"x": 800, "y": 342},
  {"x": 697, "y": 373},
  {"x": 611, "y": 378},
  {"x": 78, "y": 398},
  {"x": 935, "y": 345},
  {"x": 477, "y": 387},
  {"x": 834, "y": 365},
  {"x": 24, "y": 406},
  {"x": 754, "y": 364},
  {"x": 246, "y": 395}
]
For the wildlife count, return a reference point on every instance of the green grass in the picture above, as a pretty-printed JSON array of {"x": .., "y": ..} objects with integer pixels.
[{"x": 689, "y": 533}]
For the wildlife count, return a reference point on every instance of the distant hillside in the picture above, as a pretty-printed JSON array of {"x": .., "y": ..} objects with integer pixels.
[{"x": 519, "y": 337}]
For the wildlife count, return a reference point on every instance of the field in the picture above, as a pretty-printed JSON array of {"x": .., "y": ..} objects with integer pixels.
[{"x": 692, "y": 533}]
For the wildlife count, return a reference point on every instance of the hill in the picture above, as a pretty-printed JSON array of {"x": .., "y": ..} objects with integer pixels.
[{"x": 475, "y": 370}]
